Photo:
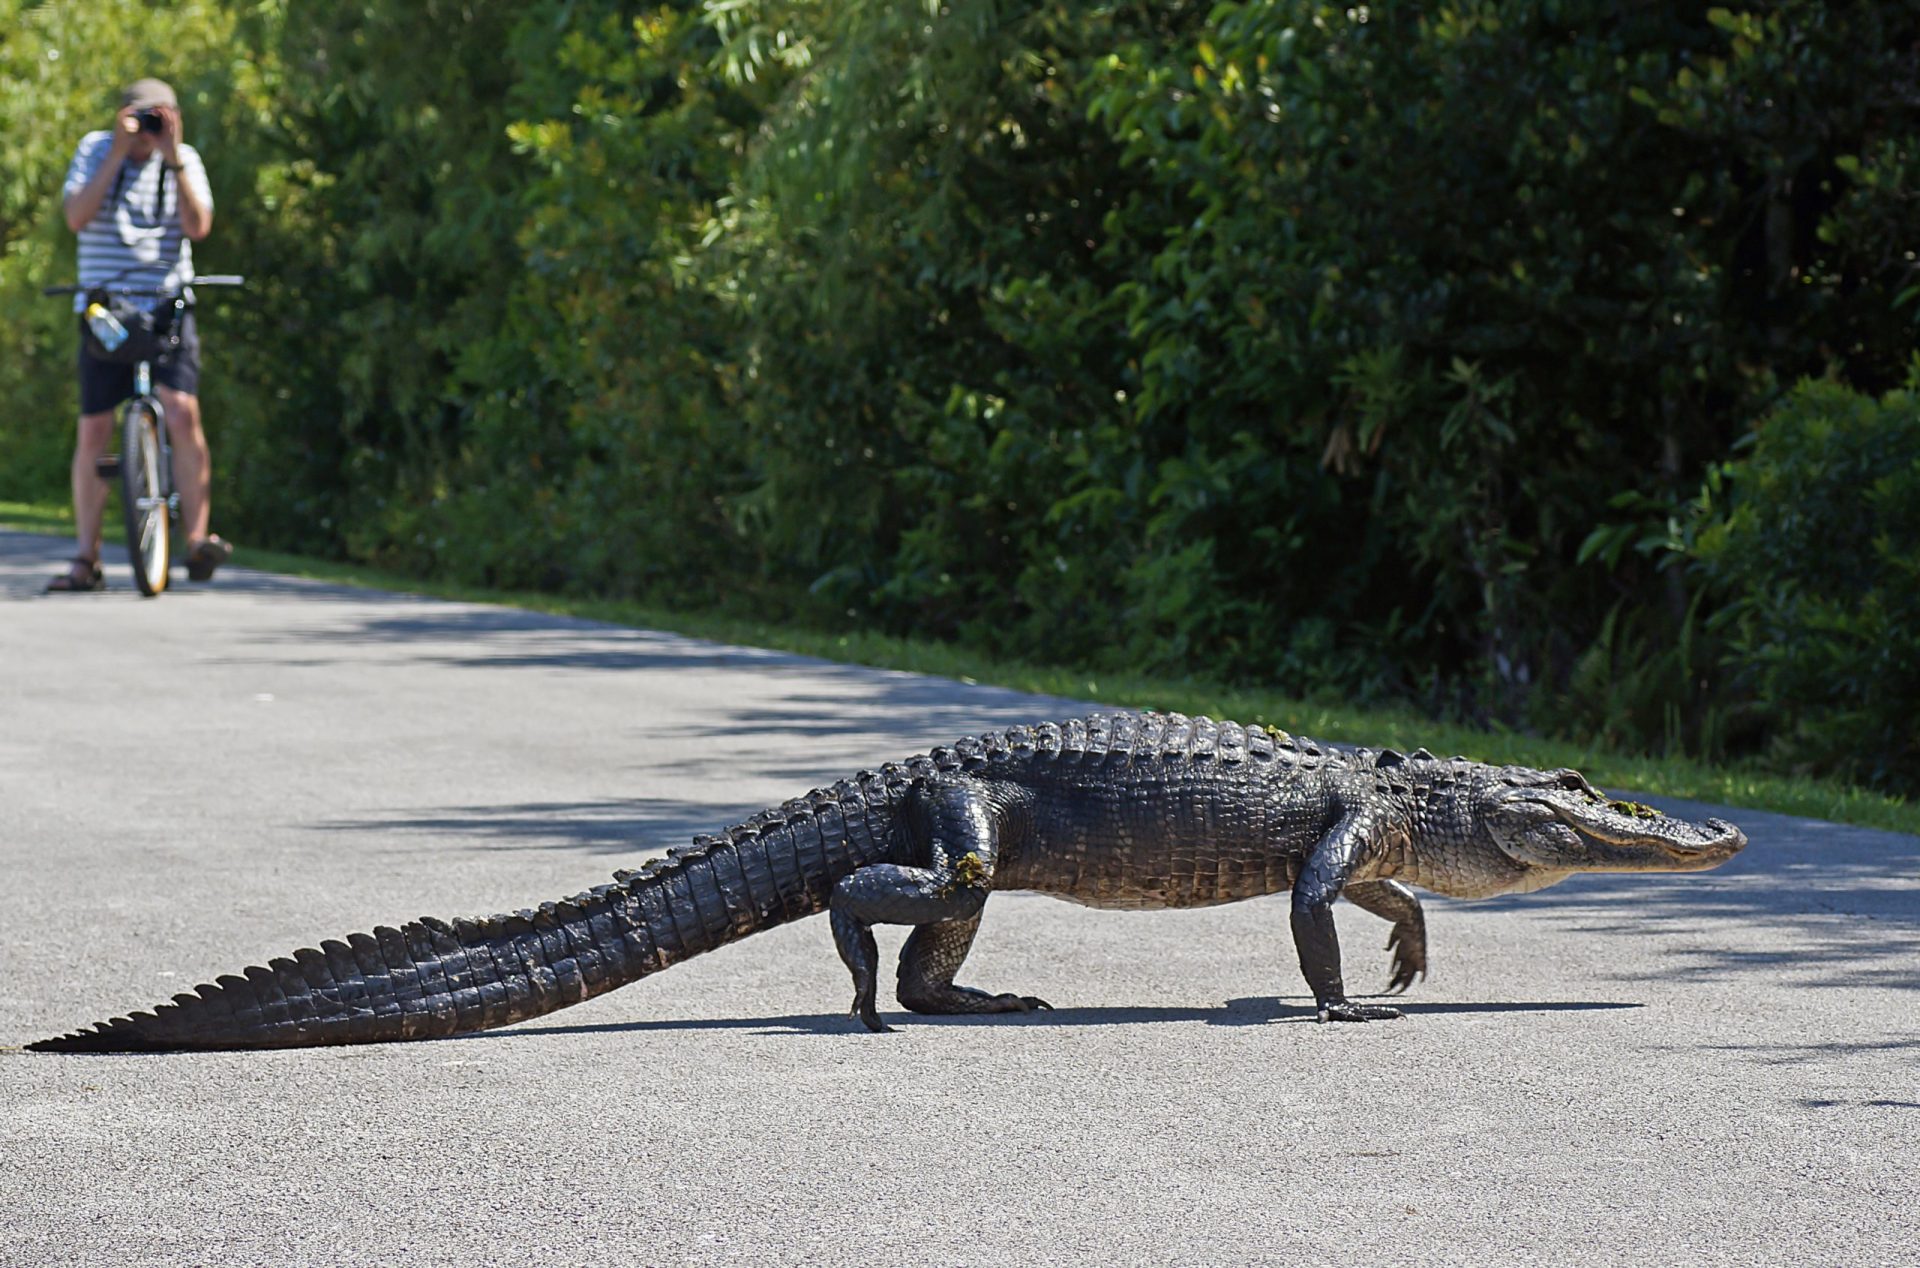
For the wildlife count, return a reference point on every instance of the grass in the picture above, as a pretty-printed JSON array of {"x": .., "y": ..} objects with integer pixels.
[
  {"x": 35, "y": 517},
  {"x": 1731, "y": 785}
]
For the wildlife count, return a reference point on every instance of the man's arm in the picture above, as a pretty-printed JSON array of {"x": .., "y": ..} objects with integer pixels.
[
  {"x": 83, "y": 204},
  {"x": 196, "y": 201},
  {"x": 196, "y": 216}
]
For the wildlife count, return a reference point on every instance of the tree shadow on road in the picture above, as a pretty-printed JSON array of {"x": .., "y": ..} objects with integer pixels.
[
  {"x": 626, "y": 826},
  {"x": 431, "y": 631},
  {"x": 1808, "y": 903},
  {"x": 1806, "y": 1102},
  {"x": 1820, "y": 1053}
]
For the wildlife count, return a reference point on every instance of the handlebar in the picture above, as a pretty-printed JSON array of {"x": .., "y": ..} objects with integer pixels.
[{"x": 211, "y": 279}]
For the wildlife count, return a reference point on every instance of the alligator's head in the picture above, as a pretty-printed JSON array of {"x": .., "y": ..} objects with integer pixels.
[{"x": 1554, "y": 823}]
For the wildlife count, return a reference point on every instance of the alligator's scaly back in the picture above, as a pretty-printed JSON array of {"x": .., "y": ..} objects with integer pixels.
[{"x": 432, "y": 978}]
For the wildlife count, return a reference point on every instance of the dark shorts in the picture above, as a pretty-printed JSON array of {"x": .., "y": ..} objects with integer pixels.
[{"x": 103, "y": 385}]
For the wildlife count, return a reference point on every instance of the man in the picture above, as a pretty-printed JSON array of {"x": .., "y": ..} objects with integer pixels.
[{"x": 137, "y": 196}]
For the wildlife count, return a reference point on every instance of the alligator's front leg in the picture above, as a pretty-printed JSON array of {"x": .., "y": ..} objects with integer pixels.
[
  {"x": 1326, "y": 873},
  {"x": 960, "y": 827},
  {"x": 1390, "y": 900}
]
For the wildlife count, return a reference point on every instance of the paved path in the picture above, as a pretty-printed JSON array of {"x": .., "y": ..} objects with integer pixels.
[{"x": 1710, "y": 1069}]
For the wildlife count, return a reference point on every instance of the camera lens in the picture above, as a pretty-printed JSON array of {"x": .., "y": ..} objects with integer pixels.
[{"x": 149, "y": 120}]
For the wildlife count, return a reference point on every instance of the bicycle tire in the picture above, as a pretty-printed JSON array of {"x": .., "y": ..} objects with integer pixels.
[{"x": 143, "y": 496}]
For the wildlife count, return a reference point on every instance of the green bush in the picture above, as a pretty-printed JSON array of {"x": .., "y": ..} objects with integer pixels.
[
  {"x": 1373, "y": 350},
  {"x": 1821, "y": 553},
  {"x": 1308, "y": 342}
]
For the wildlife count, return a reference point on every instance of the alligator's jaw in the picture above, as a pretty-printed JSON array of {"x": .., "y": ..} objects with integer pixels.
[{"x": 1564, "y": 830}]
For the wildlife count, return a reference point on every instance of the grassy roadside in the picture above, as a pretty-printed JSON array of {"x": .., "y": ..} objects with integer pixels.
[
  {"x": 1740, "y": 785},
  {"x": 36, "y": 517}
]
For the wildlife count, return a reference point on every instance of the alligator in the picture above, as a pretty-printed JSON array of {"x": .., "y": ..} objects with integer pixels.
[{"x": 1134, "y": 811}]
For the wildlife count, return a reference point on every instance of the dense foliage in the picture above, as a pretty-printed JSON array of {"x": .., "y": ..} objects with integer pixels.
[
  {"x": 1397, "y": 351},
  {"x": 1821, "y": 555}
]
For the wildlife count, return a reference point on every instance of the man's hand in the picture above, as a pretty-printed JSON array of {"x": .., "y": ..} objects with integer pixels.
[
  {"x": 168, "y": 142},
  {"x": 126, "y": 130}
]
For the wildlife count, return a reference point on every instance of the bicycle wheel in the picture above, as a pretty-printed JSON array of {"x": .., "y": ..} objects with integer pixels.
[{"x": 143, "y": 495}]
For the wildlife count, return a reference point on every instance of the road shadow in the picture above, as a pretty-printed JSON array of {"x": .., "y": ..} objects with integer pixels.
[
  {"x": 891, "y": 714},
  {"x": 1813, "y": 1103},
  {"x": 635, "y": 826},
  {"x": 432, "y": 631},
  {"x": 1820, "y": 1053}
]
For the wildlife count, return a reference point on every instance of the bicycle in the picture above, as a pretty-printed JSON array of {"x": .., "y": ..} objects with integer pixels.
[{"x": 148, "y": 501}]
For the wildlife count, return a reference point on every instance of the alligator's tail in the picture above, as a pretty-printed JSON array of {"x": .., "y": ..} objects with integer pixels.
[{"x": 432, "y": 978}]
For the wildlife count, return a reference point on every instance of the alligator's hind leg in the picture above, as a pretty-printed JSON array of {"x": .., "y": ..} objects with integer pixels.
[
  {"x": 1390, "y": 900},
  {"x": 886, "y": 894},
  {"x": 927, "y": 965},
  {"x": 957, "y": 828}
]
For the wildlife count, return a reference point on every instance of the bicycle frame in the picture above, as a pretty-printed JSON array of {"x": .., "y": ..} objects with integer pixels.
[{"x": 143, "y": 395}]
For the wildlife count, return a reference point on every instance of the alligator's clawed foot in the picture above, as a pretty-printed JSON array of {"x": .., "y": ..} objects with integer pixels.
[
  {"x": 1020, "y": 1004},
  {"x": 1344, "y": 1011},
  {"x": 864, "y": 995},
  {"x": 869, "y": 1015},
  {"x": 1409, "y": 947}
]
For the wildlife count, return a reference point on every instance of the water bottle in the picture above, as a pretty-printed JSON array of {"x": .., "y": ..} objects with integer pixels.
[{"x": 105, "y": 326}]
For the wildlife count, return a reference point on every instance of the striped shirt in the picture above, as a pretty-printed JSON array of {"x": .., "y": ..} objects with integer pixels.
[{"x": 135, "y": 239}]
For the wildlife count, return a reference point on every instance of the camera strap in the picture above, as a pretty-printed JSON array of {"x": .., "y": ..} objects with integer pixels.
[{"x": 160, "y": 189}]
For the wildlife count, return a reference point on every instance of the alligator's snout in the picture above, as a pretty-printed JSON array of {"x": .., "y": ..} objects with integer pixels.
[
  {"x": 1726, "y": 841},
  {"x": 1709, "y": 844}
]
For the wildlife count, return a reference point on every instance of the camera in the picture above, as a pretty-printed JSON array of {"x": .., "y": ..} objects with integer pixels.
[{"x": 150, "y": 121}]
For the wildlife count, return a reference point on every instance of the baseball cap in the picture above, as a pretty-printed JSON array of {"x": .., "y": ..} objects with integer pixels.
[{"x": 145, "y": 94}]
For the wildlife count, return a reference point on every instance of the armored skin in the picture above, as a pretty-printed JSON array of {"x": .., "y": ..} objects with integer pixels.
[{"x": 1136, "y": 811}]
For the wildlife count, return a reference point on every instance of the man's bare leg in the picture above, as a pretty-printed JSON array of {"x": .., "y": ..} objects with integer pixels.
[
  {"x": 192, "y": 464},
  {"x": 89, "y": 490}
]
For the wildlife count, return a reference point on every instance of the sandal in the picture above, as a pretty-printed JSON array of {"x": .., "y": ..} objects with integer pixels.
[
  {"x": 84, "y": 575},
  {"x": 207, "y": 556}
]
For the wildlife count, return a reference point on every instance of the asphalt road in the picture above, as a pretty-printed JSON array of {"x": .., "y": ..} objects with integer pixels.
[{"x": 1720, "y": 1068}]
